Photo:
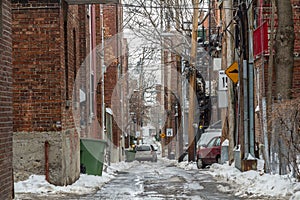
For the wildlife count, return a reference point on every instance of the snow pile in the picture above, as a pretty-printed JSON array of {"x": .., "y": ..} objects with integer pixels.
[
  {"x": 84, "y": 185},
  {"x": 256, "y": 184},
  {"x": 187, "y": 165},
  {"x": 183, "y": 165}
]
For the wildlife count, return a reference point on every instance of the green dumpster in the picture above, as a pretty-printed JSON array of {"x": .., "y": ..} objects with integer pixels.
[
  {"x": 92, "y": 156},
  {"x": 130, "y": 155}
]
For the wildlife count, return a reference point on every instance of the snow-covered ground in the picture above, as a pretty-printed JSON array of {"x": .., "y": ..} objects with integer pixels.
[
  {"x": 251, "y": 183},
  {"x": 86, "y": 184}
]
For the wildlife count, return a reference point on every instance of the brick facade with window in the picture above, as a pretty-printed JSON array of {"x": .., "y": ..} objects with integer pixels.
[
  {"x": 261, "y": 64},
  {"x": 113, "y": 62},
  {"x": 6, "y": 170}
]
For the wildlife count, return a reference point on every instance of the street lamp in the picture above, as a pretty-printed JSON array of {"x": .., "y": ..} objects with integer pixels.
[
  {"x": 132, "y": 114},
  {"x": 195, "y": 125},
  {"x": 176, "y": 130}
]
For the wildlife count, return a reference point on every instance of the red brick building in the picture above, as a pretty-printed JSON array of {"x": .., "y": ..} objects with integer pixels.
[
  {"x": 46, "y": 56},
  {"x": 263, "y": 12},
  {"x": 116, "y": 66},
  {"x": 53, "y": 43},
  {"x": 262, "y": 17},
  {"x": 6, "y": 133}
]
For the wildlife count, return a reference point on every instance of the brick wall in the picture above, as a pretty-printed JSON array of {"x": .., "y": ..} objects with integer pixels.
[
  {"x": 45, "y": 60},
  {"x": 37, "y": 69},
  {"x": 112, "y": 20},
  {"x": 6, "y": 175},
  {"x": 296, "y": 10},
  {"x": 261, "y": 64},
  {"x": 296, "y": 80}
]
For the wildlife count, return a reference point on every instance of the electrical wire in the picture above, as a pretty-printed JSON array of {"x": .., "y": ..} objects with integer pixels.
[{"x": 167, "y": 7}]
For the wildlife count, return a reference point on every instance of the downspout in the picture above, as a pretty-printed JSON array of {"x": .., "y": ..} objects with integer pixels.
[
  {"x": 120, "y": 143},
  {"x": 102, "y": 72},
  {"x": 251, "y": 81},
  {"x": 245, "y": 84},
  {"x": 47, "y": 160}
]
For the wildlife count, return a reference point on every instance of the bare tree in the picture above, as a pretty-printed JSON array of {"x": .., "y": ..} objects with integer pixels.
[
  {"x": 284, "y": 50},
  {"x": 285, "y": 148},
  {"x": 284, "y": 138},
  {"x": 156, "y": 20}
]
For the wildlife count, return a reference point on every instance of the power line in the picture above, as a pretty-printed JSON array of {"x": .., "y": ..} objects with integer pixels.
[{"x": 161, "y": 7}]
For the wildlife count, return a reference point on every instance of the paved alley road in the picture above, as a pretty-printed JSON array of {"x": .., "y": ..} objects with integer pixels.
[
  {"x": 149, "y": 180},
  {"x": 155, "y": 181}
]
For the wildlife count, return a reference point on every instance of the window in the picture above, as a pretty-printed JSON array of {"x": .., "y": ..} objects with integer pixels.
[
  {"x": 66, "y": 57},
  {"x": 211, "y": 143},
  {"x": 75, "y": 66},
  {"x": 92, "y": 97},
  {"x": 143, "y": 148}
]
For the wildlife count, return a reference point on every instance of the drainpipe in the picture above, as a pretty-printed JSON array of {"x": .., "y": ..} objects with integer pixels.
[
  {"x": 251, "y": 81},
  {"x": 102, "y": 72},
  {"x": 245, "y": 84},
  {"x": 47, "y": 160}
]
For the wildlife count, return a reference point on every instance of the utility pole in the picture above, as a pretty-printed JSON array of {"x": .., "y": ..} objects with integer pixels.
[
  {"x": 247, "y": 150},
  {"x": 228, "y": 58},
  {"x": 168, "y": 68},
  {"x": 192, "y": 85},
  {"x": 163, "y": 140},
  {"x": 179, "y": 132}
]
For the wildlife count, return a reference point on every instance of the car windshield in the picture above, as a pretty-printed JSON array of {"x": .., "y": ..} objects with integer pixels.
[
  {"x": 143, "y": 148},
  {"x": 206, "y": 137},
  {"x": 214, "y": 142}
]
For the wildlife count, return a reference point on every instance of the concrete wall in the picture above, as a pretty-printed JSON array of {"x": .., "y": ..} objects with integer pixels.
[
  {"x": 29, "y": 155},
  {"x": 6, "y": 171}
]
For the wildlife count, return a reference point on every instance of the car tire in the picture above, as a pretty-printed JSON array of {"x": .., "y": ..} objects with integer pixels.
[{"x": 200, "y": 163}]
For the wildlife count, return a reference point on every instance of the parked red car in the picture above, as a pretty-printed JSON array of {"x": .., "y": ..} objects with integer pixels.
[{"x": 209, "y": 153}]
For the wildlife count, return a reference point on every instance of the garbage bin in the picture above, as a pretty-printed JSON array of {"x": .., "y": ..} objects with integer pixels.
[
  {"x": 92, "y": 156},
  {"x": 130, "y": 155}
]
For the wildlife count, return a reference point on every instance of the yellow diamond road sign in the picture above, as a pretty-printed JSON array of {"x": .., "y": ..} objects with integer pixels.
[{"x": 233, "y": 72}]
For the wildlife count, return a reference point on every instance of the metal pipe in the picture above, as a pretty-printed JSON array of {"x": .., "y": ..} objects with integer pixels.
[
  {"x": 265, "y": 134},
  {"x": 245, "y": 84},
  {"x": 251, "y": 109},
  {"x": 102, "y": 71},
  {"x": 46, "y": 147},
  {"x": 251, "y": 79}
]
